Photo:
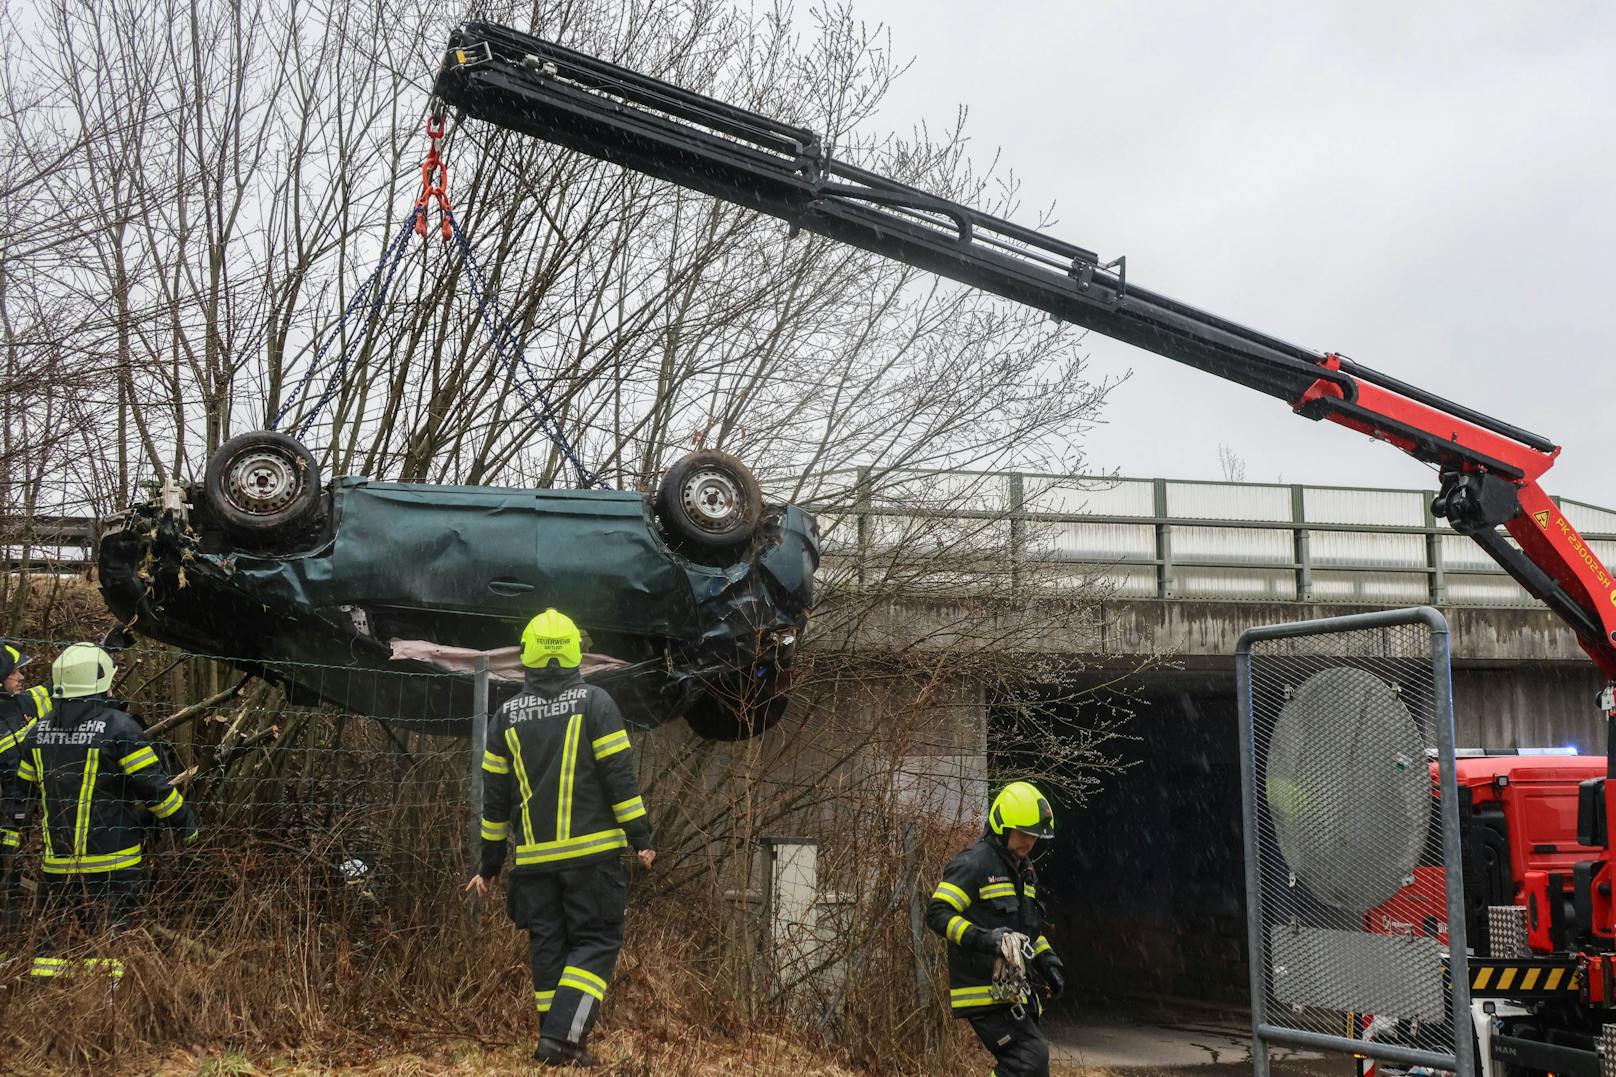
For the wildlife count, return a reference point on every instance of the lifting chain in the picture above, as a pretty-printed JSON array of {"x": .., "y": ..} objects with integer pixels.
[{"x": 434, "y": 180}]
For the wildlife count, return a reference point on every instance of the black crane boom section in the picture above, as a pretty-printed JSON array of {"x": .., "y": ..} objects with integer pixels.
[{"x": 530, "y": 85}]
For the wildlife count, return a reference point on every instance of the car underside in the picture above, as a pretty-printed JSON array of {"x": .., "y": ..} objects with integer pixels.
[{"x": 700, "y": 592}]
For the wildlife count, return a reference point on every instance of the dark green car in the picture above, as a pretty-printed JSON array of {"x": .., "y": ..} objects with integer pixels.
[{"x": 699, "y": 591}]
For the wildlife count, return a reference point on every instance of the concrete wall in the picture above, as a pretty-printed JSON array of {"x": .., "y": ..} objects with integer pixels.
[
  {"x": 1201, "y": 634},
  {"x": 1528, "y": 706}
]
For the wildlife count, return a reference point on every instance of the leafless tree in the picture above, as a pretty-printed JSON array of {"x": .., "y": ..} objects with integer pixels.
[
  {"x": 216, "y": 179},
  {"x": 1231, "y": 463},
  {"x": 231, "y": 171}
]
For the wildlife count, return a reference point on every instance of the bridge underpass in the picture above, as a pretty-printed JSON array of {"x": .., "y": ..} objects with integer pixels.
[{"x": 1146, "y": 877}]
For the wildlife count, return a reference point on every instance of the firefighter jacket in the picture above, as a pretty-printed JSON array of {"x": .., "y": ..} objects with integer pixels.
[
  {"x": 558, "y": 777},
  {"x": 17, "y": 716},
  {"x": 984, "y": 888},
  {"x": 100, "y": 783}
]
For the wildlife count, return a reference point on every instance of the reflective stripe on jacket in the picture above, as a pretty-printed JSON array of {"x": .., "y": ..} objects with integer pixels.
[
  {"x": 559, "y": 779},
  {"x": 96, "y": 776},
  {"x": 17, "y": 716},
  {"x": 983, "y": 888}
]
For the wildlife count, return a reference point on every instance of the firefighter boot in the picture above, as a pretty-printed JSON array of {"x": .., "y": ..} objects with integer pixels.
[{"x": 560, "y": 1053}]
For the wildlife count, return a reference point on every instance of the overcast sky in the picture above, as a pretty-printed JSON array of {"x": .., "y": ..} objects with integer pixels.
[{"x": 1427, "y": 187}]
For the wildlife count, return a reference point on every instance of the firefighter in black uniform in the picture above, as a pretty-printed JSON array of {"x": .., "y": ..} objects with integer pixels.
[
  {"x": 19, "y": 710},
  {"x": 987, "y": 907},
  {"x": 558, "y": 777},
  {"x": 95, "y": 775}
]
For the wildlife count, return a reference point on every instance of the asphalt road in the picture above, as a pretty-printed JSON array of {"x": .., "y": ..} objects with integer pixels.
[{"x": 1183, "y": 1044}]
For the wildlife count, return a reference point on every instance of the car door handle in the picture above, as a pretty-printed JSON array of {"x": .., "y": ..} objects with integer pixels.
[{"x": 507, "y": 586}]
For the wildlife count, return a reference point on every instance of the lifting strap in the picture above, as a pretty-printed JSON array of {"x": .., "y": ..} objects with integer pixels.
[{"x": 504, "y": 339}]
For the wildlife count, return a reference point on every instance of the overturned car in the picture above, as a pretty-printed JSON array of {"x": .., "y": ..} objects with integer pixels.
[{"x": 696, "y": 594}]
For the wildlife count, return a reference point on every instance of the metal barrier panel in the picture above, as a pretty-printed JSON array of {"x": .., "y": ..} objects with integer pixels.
[{"x": 1354, "y": 894}]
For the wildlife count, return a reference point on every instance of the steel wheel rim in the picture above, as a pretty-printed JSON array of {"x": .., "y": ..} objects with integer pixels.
[
  {"x": 712, "y": 499},
  {"x": 262, "y": 482}
]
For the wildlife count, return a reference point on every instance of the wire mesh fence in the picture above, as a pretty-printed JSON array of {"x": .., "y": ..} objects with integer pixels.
[
  {"x": 344, "y": 833},
  {"x": 322, "y": 905},
  {"x": 1351, "y": 835}
]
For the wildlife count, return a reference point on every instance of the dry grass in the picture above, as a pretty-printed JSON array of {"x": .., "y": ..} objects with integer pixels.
[
  {"x": 275, "y": 990},
  {"x": 623, "y": 1053}
]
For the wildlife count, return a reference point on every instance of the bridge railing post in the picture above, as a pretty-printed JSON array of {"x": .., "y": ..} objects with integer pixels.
[
  {"x": 861, "y": 510},
  {"x": 1016, "y": 501},
  {"x": 1164, "y": 541},
  {"x": 1433, "y": 560},
  {"x": 1303, "y": 545}
]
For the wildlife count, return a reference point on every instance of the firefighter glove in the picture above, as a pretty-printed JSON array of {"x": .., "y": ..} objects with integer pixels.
[
  {"x": 991, "y": 942},
  {"x": 1054, "y": 976}
]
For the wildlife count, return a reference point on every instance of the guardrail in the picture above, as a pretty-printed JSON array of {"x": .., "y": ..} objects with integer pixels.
[
  {"x": 1170, "y": 539},
  {"x": 46, "y": 542}
]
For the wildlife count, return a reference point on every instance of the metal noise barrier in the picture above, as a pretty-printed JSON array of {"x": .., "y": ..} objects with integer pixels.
[{"x": 1353, "y": 887}]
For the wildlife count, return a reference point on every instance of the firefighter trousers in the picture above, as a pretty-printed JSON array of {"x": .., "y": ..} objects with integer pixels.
[
  {"x": 574, "y": 924},
  {"x": 12, "y": 897},
  {"x": 93, "y": 904},
  {"x": 1017, "y": 1043}
]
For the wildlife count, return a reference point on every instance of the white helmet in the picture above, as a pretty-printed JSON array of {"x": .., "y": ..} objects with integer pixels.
[{"x": 82, "y": 670}]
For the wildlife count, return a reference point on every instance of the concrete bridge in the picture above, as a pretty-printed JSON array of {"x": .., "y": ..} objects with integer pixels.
[
  {"x": 1180, "y": 569},
  {"x": 1147, "y": 873}
]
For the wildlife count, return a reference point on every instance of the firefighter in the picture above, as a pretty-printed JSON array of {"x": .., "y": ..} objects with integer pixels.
[
  {"x": 95, "y": 774},
  {"x": 19, "y": 710},
  {"x": 559, "y": 778},
  {"x": 988, "y": 909}
]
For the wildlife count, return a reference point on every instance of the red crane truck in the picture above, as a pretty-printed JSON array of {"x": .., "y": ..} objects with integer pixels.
[{"x": 1538, "y": 850}]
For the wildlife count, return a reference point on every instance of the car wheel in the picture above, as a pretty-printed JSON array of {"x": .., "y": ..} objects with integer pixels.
[
  {"x": 711, "y": 501},
  {"x": 262, "y": 484}
]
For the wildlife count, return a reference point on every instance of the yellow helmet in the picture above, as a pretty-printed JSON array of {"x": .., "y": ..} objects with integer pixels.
[
  {"x": 10, "y": 658},
  {"x": 82, "y": 670},
  {"x": 1022, "y": 807},
  {"x": 551, "y": 636}
]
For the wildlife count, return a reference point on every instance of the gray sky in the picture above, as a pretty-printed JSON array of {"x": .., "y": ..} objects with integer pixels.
[{"x": 1429, "y": 188}]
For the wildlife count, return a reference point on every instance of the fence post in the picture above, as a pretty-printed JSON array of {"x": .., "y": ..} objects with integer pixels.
[
  {"x": 479, "y": 744},
  {"x": 917, "y": 930}
]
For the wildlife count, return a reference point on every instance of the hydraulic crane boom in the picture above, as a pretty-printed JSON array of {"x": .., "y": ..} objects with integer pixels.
[{"x": 1488, "y": 469}]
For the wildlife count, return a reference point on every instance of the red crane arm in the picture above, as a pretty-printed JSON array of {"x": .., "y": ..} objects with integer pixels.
[{"x": 1553, "y": 563}]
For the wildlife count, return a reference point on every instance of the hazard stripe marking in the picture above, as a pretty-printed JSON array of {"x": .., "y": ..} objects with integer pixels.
[{"x": 1527, "y": 977}]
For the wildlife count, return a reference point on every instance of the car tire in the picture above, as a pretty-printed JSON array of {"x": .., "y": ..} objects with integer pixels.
[
  {"x": 709, "y": 502},
  {"x": 262, "y": 484}
]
